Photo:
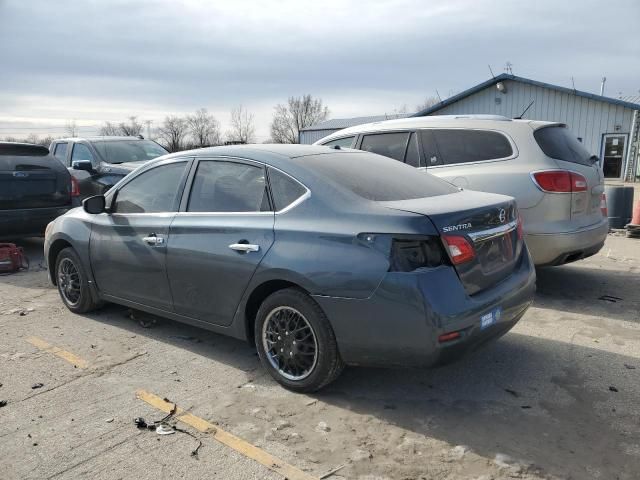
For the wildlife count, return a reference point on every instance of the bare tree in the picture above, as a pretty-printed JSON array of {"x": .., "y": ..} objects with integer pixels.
[
  {"x": 299, "y": 113},
  {"x": 109, "y": 129},
  {"x": 204, "y": 129},
  {"x": 71, "y": 129},
  {"x": 32, "y": 138},
  {"x": 46, "y": 141},
  {"x": 427, "y": 103},
  {"x": 242, "y": 127},
  {"x": 132, "y": 128},
  {"x": 173, "y": 132}
]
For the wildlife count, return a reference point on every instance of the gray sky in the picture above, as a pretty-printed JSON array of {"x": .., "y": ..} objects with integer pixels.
[{"x": 96, "y": 60}]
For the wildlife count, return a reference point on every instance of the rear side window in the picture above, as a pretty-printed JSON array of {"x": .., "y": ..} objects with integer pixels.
[
  {"x": 464, "y": 146},
  {"x": 228, "y": 187},
  {"x": 60, "y": 152},
  {"x": 345, "y": 142},
  {"x": 413, "y": 154},
  {"x": 377, "y": 178},
  {"x": 284, "y": 189},
  {"x": 561, "y": 144},
  {"x": 153, "y": 191},
  {"x": 392, "y": 145}
]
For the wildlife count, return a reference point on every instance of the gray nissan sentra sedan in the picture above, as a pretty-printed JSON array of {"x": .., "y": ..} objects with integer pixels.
[{"x": 319, "y": 256}]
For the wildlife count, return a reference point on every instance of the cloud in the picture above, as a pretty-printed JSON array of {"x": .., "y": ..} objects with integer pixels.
[{"x": 97, "y": 61}]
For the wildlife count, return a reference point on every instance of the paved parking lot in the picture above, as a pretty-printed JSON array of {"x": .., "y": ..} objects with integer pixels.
[{"x": 556, "y": 397}]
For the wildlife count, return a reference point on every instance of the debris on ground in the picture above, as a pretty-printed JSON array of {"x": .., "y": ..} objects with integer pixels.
[
  {"x": 109, "y": 420},
  {"x": 143, "y": 319},
  {"x": 609, "y": 298},
  {"x": 626, "y": 365},
  {"x": 322, "y": 427},
  {"x": 3, "y": 403},
  {"x": 360, "y": 455},
  {"x": 37, "y": 385},
  {"x": 332, "y": 471},
  {"x": 512, "y": 392},
  {"x": 613, "y": 389},
  {"x": 163, "y": 427}
]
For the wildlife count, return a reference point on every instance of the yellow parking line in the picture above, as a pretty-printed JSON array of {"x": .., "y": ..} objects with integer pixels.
[
  {"x": 65, "y": 355},
  {"x": 245, "y": 448}
]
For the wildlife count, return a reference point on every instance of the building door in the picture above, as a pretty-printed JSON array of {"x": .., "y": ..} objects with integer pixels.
[{"x": 613, "y": 150}]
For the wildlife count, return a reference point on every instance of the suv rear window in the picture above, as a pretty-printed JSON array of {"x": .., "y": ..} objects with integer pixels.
[
  {"x": 559, "y": 143},
  {"x": 377, "y": 178},
  {"x": 464, "y": 146}
]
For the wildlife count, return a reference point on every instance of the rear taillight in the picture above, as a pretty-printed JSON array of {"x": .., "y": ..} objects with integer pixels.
[
  {"x": 603, "y": 205},
  {"x": 560, "y": 181},
  {"x": 75, "y": 187},
  {"x": 460, "y": 250}
]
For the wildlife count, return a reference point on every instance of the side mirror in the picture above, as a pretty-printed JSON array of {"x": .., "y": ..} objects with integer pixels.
[
  {"x": 94, "y": 205},
  {"x": 82, "y": 165}
]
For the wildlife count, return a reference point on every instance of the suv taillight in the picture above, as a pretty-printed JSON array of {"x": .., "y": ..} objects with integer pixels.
[
  {"x": 75, "y": 187},
  {"x": 460, "y": 250},
  {"x": 560, "y": 181}
]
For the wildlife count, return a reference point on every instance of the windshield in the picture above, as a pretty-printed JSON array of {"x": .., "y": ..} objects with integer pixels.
[
  {"x": 123, "y": 151},
  {"x": 378, "y": 178}
]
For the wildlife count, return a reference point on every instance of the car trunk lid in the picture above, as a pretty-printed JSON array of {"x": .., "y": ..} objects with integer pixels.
[
  {"x": 487, "y": 223},
  {"x": 31, "y": 178}
]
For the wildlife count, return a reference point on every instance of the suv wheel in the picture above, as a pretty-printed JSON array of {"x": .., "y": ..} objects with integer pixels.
[
  {"x": 71, "y": 281},
  {"x": 295, "y": 341}
]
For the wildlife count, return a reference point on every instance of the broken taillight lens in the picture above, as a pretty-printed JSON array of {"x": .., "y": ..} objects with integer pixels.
[{"x": 460, "y": 250}]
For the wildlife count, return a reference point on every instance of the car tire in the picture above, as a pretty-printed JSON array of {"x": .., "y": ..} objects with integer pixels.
[
  {"x": 72, "y": 284},
  {"x": 292, "y": 309}
]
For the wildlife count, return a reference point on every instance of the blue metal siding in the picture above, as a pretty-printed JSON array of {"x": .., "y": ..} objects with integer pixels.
[{"x": 588, "y": 118}]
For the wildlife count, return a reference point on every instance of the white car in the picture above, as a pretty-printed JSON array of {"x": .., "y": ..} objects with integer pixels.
[{"x": 556, "y": 182}]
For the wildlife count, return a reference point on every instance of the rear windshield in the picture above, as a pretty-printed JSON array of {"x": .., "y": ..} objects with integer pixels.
[
  {"x": 123, "y": 151},
  {"x": 378, "y": 178},
  {"x": 559, "y": 143}
]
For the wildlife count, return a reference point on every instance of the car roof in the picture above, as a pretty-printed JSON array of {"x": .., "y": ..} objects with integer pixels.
[
  {"x": 95, "y": 138},
  {"x": 496, "y": 122}
]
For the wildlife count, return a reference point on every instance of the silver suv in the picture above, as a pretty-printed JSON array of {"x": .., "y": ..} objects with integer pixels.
[{"x": 556, "y": 182}]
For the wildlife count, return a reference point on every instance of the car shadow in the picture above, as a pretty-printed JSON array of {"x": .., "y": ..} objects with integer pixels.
[
  {"x": 544, "y": 401},
  {"x": 587, "y": 290}
]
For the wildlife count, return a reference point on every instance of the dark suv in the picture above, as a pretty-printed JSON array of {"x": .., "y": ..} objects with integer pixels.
[
  {"x": 34, "y": 189},
  {"x": 98, "y": 163}
]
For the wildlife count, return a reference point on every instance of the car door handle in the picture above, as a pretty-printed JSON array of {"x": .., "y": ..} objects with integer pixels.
[
  {"x": 244, "y": 247},
  {"x": 153, "y": 240}
]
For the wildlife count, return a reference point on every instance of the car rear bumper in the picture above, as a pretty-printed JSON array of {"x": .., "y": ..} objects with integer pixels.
[
  {"x": 564, "y": 247},
  {"x": 400, "y": 323},
  {"x": 28, "y": 222}
]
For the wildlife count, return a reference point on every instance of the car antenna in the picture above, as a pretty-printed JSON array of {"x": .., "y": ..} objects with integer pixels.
[
  {"x": 335, "y": 147},
  {"x": 525, "y": 111}
]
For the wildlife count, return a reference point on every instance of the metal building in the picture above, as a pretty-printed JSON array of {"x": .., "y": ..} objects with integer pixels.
[
  {"x": 314, "y": 133},
  {"x": 608, "y": 127}
]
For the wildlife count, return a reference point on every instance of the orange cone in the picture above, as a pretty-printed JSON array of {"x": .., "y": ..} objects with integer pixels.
[{"x": 635, "y": 218}]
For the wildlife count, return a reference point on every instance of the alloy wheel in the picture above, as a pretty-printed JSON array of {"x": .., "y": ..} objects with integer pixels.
[
  {"x": 69, "y": 281},
  {"x": 290, "y": 343}
]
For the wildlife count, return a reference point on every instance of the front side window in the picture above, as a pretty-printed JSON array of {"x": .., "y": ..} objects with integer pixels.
[
  {"x": 81, "y": 152},
  {"x": 153, "y": 191},
  {"x": 284, "y": 189},
  {"x": 228, "y": 187},
  {"x": 392, "y": 145},
  {"x": 124, "y": 151},
  {"x": 60, "y": 152},
  {"x": 464, "y": 146},
  {"x": 345, "y": 142}
]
